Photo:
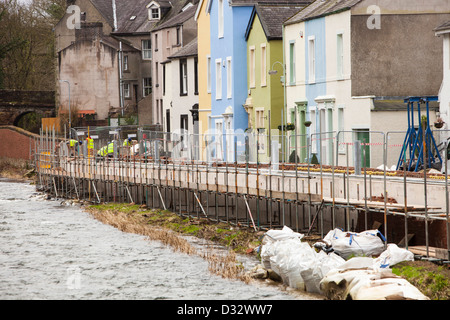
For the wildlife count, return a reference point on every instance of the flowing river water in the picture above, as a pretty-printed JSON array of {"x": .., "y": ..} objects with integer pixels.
[{"x": 53, "y": 251}]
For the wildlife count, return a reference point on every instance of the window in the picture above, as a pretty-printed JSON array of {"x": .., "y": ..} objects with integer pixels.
[
  {"x": 252, "y": 66},
  {"x": 183, "y": 77},
  {"x": 312, "y": 59},
  {"x": 125, "y": 63},
  {"x": 164, "y": 79},
  {"x": 195, "y": 76},
  {"x": 218, "y": 79},
  {"x": 156, "y": 42},
  {"x": 168, "y": 44},
  {"x": 178, "y": 36},
  {"x": 220, "y": 20},
  {"x": 147, "y": 86},
  {"x": 340, "y": 57},
  {"x": 263, "y": 65},
  {"x": 292, "y": 62},
  {"x": 126, "y": 90},
  {"x": 157, "y": 74},
  {"x": 259, "y": 117},
  {"x": 153, "y": 13},
  {"x": 229, "y": 79},
  {"x": 146, "y": 49},
  {"x": 208, "y": 74}
]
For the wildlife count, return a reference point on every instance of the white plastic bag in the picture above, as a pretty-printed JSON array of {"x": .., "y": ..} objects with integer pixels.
[
  {"x": 283, "y": 234},
  {"x": 392, "y": 255},
  {"x": 346, "y": 244}
]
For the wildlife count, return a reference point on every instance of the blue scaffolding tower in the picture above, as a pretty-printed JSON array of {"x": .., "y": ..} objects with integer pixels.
[{"x": 418, "y": 140}]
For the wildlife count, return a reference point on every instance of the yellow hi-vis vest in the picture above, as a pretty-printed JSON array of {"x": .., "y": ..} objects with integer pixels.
[
  {"x": 102, "y": 151},
  {"x": 90, "y": 143},
  {"x": 126, "y": 143},
  {"x": 110, "y": 148},
  {"x": 73, "y": 142}
]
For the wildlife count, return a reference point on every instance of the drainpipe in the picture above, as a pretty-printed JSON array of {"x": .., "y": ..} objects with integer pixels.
[{"x": 121, "y": 77}]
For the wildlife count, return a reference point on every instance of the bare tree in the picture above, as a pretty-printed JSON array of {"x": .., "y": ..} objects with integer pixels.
[{"x": 27, "y": 60}]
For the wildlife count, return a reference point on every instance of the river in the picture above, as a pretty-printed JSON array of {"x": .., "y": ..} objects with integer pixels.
[{"x": 53, "y": 251}]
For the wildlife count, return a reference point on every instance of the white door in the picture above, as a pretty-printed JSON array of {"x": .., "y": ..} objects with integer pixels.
[{"x": 219, "y": 140}]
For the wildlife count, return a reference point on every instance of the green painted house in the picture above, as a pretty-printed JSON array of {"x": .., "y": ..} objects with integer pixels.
[{"x": 265, "y": 102}]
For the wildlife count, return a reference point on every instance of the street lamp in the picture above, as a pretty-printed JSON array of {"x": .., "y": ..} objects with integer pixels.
[{"x": 67, "y": 81}]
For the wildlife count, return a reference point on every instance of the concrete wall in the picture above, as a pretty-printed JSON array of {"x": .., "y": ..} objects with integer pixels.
[
  {"x": 65, "y": 36},
  {"x": 402, "y": 58},
  {"x": 92, "y": 68}
]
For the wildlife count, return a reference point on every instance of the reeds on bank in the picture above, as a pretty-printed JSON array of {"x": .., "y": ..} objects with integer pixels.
[{"x": 221, "y": 263}]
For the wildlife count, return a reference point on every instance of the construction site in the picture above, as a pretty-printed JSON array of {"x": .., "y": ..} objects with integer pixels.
[{"x": 227, "y": 178}]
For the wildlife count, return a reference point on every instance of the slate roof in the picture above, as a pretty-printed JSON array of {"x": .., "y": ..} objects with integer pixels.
[
  {"x": 125, "y": 9},
  {"x": 188, "y": 50},
  {"x": 272, "y": 15},
  {"x": 176, "y": 17},
  {"x": 321, "y": 8},
  {"x": 445, "y": 26}
]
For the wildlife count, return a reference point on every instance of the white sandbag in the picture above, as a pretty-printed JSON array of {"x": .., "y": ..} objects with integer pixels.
[
  {"x": 318, "y": 268},
  {"x": 282, "y": 251},
  {"x": 392, "y": 255},
  {"x": 346, "y": 244},
  {"x": 358, "y": 280},
  {"x": 270, "y": 238},
  {"x": 283, "y": 234},
  {"x": 299, "y": 260}
]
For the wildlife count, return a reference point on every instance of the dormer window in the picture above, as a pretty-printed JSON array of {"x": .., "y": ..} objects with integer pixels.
[{"x": 154, "y": 12}]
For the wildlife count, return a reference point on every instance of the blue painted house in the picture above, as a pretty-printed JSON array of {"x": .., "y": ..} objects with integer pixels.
[{"x": 228, "y": 75}]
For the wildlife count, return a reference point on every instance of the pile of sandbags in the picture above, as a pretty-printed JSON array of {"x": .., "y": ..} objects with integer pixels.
[
  {"x": 327, "y": 272},
  {"x": 360, "y": 279},
  {"x": 296, "y": 262}
]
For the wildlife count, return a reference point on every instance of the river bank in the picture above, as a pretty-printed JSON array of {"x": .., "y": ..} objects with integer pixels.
[
  {"x": 169, "y": 228},
  {"x": 431, "y": 279}
]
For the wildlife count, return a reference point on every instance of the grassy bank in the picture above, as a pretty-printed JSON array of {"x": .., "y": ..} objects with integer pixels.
[
  {"x": 166, "y": 227},
  {"x": 17, "y": 169},
  {"x": 162, "y": 225}
]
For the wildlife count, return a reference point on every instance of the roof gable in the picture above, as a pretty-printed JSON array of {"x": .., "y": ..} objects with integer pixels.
[{"x": 272, "y": 16}]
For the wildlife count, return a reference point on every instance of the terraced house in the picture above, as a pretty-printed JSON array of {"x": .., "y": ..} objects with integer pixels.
[
  {"x": 174, "y": 28},
  {"x": 265, "y": 103},
  {"x": 350, "y": 64}
]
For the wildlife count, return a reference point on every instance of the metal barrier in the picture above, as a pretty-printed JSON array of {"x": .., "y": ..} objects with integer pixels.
[{"x": 244, "y": 179}]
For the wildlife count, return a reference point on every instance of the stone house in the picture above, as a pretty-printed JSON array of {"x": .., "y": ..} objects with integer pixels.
[{"x": 103, "y": 49}]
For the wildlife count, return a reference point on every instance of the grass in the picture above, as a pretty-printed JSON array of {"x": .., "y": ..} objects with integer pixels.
[
  {"x": 167, "y": 227},
  {"x": 431, "y": 279},
  {"x": 15, "y": 169},
  {"x": 162, "y": 225}
]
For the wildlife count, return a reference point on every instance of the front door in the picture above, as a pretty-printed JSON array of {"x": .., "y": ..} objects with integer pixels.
[{"x": 363, "y": 136}]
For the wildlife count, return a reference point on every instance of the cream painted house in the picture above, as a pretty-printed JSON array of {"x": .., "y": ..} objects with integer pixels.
[
  {"x": 180, "y": 100},
  {"x": 443, "y": 31},
  {"x": 349, "y": 66}
]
